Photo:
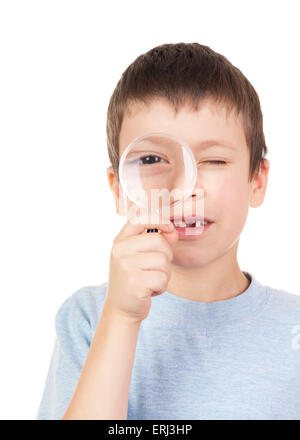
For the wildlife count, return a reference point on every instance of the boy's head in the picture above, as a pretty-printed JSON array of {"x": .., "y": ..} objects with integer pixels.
[{"x": 196, "y": 94}]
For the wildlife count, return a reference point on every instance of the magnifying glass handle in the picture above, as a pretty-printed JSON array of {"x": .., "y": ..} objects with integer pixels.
[{"x": 152, "y": 230}]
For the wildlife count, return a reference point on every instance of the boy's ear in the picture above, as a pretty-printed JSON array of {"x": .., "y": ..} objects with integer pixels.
[
  {"x": 259, "y": 184},
  {"x": 116, "y": 190}
]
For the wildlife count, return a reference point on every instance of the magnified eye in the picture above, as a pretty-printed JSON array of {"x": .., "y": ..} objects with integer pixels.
[{"x": 151, "y": 159}]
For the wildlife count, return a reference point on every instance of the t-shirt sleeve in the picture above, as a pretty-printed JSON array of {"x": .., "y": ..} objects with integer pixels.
[{"x": 74, "y": 334}]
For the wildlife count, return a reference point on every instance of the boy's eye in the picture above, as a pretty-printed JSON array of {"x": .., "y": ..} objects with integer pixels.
[
  {"x": 151, "y": 159},
  {"x": 216, "y": 162}
]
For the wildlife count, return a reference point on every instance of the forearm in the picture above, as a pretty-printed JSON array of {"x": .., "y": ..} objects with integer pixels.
[{"x": 103, "y": 387}]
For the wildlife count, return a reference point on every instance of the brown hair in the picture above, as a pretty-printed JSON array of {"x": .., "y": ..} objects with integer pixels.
[{"x": 187, "y": 72}]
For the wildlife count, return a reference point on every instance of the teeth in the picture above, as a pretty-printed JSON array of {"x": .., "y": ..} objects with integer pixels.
[
  {"x": 200, "y": 223},
  {"x": 179, "y": 224}
]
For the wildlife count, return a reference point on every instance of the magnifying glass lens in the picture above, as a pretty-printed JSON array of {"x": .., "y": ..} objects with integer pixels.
[
  {"x": 158, "y": 172},
  {"x": 157, "y": 166}
]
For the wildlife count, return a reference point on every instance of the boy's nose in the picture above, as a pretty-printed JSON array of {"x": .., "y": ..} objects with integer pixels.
[{"x": 192, "y": 205}]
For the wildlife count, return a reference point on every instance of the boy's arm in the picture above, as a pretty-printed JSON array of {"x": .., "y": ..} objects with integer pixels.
[{"x": 103, "y": 387}]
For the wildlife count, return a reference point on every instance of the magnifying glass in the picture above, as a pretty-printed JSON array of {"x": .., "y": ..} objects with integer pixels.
[{"x": 157, "y": 172}]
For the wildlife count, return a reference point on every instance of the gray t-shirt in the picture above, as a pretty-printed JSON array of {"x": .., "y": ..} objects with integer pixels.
[{"x": 237, "y": 358}]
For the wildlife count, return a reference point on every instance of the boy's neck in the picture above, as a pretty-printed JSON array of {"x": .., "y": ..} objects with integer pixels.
[{"x": 219, "y": 280}]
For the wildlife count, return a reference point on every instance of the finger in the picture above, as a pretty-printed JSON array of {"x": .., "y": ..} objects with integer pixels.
[
  {"x": 156, "y": 281},
  {"x": 136, "y": 225},
  {"x": 154, "y": 261},
  {"x": 171, "y": 237},
  {"x": 147, "y": 243}
]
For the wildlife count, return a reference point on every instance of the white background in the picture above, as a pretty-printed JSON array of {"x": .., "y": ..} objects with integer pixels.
[{"x": 60, "y": 62}]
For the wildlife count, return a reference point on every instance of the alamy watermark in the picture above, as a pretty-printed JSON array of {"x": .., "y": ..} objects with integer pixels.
[
  {"x": 296, "y": 339},
  {"x": 160, "y": 204}
]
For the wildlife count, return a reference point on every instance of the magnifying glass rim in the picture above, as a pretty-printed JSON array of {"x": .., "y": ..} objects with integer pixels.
[{"x": 157, "y": 133}]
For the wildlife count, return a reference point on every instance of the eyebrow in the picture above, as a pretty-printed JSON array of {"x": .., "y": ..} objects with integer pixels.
[
  {"x": 203, "y": 145},
  {"x": 214, "y": 143}
]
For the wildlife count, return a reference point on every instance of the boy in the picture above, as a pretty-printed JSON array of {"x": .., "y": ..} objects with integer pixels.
[{"x": 213, "y": 343}]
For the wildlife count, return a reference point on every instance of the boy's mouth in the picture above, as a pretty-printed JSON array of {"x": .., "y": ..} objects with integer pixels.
[
  {"x": 191, "y": 228},
  {"x": 190, "y": 222}
]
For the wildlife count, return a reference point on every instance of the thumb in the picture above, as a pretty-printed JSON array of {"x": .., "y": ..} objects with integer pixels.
[
  {"x": 138, "y": 224},
  {"x": 171, "y": 237}
]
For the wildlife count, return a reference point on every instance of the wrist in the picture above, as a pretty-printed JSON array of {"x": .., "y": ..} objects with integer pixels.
[{"x": 110, "y": 312}]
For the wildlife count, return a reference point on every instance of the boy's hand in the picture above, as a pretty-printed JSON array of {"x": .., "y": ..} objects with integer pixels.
[{"x": 139, "y": 268}]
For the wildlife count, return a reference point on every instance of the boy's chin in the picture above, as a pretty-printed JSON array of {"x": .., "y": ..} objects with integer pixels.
[{"x": 189, "y": 259}]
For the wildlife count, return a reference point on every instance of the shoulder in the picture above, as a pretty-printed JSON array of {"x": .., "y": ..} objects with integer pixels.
[
  {"x": 82, "y": 307},
  {"x": 284, "y": 298},
  {"x": 284, "y": 304}
]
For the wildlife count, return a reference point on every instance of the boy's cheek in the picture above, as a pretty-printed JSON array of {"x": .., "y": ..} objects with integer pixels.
[
  {"x": 234, "y": 203},
  {"x": 127, "y": 208},
  {"x": 120, "y": 208}
]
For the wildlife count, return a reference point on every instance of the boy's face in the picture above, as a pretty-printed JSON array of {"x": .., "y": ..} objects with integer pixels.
[{"x": 227, "y": 192}]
